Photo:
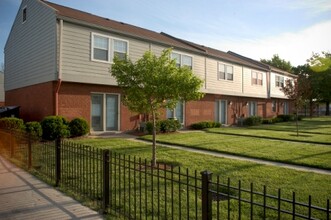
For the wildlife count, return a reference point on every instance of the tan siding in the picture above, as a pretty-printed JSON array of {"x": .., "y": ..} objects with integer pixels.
[
  {"x": 223, "y": 86},
  {"x": 199, "y": 66},
  {"x": 275, "y": 92},
  {"x": 156, "y": 49},
  {"x": 254, "y": 90},
  {"x": 77, "y": 65},
  {"x": 30, "y": 52}
]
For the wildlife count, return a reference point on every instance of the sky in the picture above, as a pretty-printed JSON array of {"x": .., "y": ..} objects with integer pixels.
[{"x": 258, "y": 29}]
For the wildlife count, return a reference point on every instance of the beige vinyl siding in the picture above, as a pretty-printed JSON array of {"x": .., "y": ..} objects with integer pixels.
[
  {"x": 199, "y": 66},
  {"x": 226, "y": 87},
  {"x": 30, "y": 52},
  {"x": 77, "y": 65},
  {"x": 254, "y": 90},
  {"x": 156, "y": 49},
  {"x": 275, "y": 92}
]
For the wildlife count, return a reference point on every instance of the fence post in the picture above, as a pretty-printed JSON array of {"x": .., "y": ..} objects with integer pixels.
[
  {"x": 29, "y": 152},
  {"x": 206, "y": 197},
  {"x": 57, "y": 161},
  {"x": 106, "y": 191}
]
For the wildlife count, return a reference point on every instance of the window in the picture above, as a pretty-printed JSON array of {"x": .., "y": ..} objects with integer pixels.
[
  {"x": 225, "y": 72},
  {"x": 177, "y": 112},
  {"x": 279, "y": 81},
  {"x": 24, "y": 15},
  {"x": 182, "y": 60},
  {"x": 257, "y": 78},
  {"x": 273, "y": 106},
  {"x": 101, "y": 48},
  {"x": 104, "y": 48},
  {"x": 252, "y": 108}
]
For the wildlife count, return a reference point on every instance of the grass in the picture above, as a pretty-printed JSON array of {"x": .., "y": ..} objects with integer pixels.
[
  {"x": 303, "y": 183},
  {"x": 275, "y": 143}
]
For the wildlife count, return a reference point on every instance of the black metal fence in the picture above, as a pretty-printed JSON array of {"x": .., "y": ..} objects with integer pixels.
[{"x": 133, "y": 189}]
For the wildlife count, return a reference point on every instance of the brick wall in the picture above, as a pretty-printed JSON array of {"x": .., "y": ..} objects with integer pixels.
[{"x": 36, "y": 101}]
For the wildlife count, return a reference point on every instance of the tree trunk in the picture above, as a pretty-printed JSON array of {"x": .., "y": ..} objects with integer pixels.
[
  {"x": 154, "y": 141},
  {"x": 296, "y": 121},
  {"x": 327, "y": 108}
]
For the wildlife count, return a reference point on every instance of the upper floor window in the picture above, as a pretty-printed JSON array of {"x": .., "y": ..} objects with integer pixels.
[
  {"x": 182, "y": 60},
  {"x": 257, "y": 78},
  {"x": 24, "y": 13},
  {"x": 104, "y": 48},
  {"x": 225, "y": 72},
  {"x": 279, "y": 81}
]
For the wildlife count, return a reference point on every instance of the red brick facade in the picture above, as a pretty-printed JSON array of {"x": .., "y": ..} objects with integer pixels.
[{"x": 74, "y": 100}]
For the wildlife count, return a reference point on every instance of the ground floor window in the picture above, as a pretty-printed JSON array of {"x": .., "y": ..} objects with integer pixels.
[
  {"x": 105, "y": 112},
  {"x": 221, "y": 111},
  {"x": 285, "y": 108},
  {"x": 177, "y": 112},
  {"x": 273, "y": 106},
  {"x": 252, "y": 108}
]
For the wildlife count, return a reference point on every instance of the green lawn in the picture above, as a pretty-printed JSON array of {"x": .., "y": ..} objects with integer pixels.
[
  {"x": 303, "y": 183},
  {"x": 257, "y": 142}
]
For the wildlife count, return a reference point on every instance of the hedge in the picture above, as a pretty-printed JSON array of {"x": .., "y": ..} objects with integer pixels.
[
  {"x": 205, "y": 124},
  {"x": 164, "y": 126},
  {"x": 12, "y": 123}
]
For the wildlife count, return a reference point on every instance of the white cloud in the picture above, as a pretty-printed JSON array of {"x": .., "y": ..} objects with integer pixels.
[{"x": 294, "y": 47}]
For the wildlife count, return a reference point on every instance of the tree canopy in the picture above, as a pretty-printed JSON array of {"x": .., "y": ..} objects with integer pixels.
[
  {"x": 153, "y": 83},
  {"x": 276, "y": 61}
]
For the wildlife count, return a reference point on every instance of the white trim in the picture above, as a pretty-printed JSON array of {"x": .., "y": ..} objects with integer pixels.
[
  {"x": 225, "y": 72},
  {"x": 257, "y": 78},
  {"x": 181, "y": 58},
  {"x": 110, "y": 47},
  {"x": 104, "y": 110}
]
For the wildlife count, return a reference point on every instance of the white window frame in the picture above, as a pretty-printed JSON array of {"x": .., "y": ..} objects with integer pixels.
[
  {"x": 226, "y": 73},
  {"x": 279, "y": 81},
  {"x": 26, "y": 14},
  {"x": 181, "y": 58},
  {"x": 173, "y": 112},
  {"x": 111, "y": 49},
  {"x": 256, "y": 78},
  {"x": 104, "y": 110}
]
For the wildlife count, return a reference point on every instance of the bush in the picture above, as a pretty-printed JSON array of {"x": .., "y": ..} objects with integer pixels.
[
  {"x": 12, "y": 123},
  {"x": 34, "y": 129},
  {"x": 205, "y": 124},
  {"x": 164, "y": 126},
  {"x": 55, "y": 127},
  {"x": 253, "y": 120},
  {"x": 78, "y": 127},
  {"x": 268, "y": 121},
  {"x": 286, "y": 118}
]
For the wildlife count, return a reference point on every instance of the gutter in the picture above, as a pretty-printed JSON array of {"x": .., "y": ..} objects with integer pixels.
[{"x": 59, "y": 80}]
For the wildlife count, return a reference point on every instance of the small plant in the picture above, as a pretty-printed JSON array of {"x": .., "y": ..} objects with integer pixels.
[
  {"x": 252, "y": 120},
  {"x": 55, "y": 127},
  {"x": 34, "y": 129},
  {"x": 78, "y": 127},
  {"x": 164, "y": 126},
  {"x": 12, "y": 124},
  {"x": 286, "y": 118},
  {"x": 205, "y": 124}
]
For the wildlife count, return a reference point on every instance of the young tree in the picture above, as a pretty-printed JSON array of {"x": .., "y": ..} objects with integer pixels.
[
  {"x": 153, "y": 83},
  {"x": 294, "y": 90},
  {"x": 276, "y": 61}
]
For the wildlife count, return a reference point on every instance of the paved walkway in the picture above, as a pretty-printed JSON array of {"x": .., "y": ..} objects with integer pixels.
[{"x": 23, "y": 196}]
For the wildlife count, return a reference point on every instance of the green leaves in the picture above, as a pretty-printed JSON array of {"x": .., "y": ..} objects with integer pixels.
[{"x": 154, "y": 82}]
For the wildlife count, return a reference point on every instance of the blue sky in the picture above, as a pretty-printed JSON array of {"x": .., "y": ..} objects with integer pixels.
[{"x": 255, "y": 28}]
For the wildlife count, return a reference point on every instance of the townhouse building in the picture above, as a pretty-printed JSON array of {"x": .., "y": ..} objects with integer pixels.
[{"x": 58, "y": 62}]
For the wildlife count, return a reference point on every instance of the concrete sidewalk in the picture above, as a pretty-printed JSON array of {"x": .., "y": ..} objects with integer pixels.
[{"x": 23, "y": 196}]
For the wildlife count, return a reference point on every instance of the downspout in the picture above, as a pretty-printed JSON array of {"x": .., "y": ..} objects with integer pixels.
[{"x": 59, "y": 80}]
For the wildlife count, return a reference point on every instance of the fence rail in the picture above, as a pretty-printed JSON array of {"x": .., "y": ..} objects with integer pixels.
[{"x": 132, "y": 188}]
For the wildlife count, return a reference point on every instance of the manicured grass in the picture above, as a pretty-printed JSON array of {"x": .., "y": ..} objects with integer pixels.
[
  {"x": 313, "y": 155},
  {"x": 303, "y": 183},
  {"x": 320, "y": 125}
]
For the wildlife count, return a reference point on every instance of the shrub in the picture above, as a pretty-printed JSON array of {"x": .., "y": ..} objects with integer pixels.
[
  {"x": 205, "y": 124},
  {"x": 268, "y": 121},
  {"x": 252, "y": 120},
  {"x": 286, "y": 118},
  {"x": 34, "y": 129},
  {"x": 78, "y": 127},
  {"x": 12, "y": 123},
  {"x": 164, "y": 126},
  {"x": 55, "y": 127}
]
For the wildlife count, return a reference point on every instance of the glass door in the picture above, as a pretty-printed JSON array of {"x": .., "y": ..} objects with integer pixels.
[
  {"x": 97, "y": 112},
  {"x": 111, "y": 112}
]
